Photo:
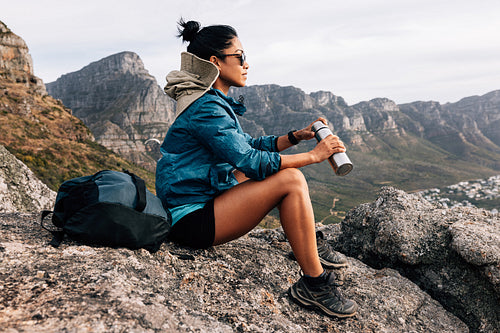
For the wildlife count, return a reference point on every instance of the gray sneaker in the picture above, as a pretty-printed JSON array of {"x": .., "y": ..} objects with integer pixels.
[
  {"x": 325, "y": 298},
  {"x": 327, "y": 256}
]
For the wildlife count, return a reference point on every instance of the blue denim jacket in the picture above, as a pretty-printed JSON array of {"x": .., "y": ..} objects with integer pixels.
[{"x": 203, "y": 147}]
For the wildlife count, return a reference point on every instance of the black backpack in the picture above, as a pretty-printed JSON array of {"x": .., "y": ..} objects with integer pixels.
[{"x": 109, "y": 208}]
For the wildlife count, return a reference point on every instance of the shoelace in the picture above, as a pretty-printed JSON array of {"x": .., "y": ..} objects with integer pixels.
[
  {"x": 332, "y": 286},
  {"x": 325, "y": 244}
]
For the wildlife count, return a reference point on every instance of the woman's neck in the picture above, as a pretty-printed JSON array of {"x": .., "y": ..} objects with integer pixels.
[{"x": 218, "y": 84}]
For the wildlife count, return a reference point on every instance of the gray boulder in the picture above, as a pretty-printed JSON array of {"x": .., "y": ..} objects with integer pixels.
[
  {"x": 453, "y": 254},
  {"x": 20, "y": 190}
]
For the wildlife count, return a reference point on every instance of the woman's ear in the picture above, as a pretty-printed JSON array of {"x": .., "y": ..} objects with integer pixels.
[{"x": 215, "y": 61}]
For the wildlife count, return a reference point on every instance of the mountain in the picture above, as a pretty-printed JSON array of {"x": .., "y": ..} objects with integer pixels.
[
  {"x": 39, "y": 130},
  {"x": 122, "y": 105},
  {"x": 461, "y": 127}
]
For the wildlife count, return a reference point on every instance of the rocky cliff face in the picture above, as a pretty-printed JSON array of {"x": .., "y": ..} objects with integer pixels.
[
  {"x": 478, "y": 114},
  {"x": 121, "y": 103},
  {"x": 273, "y": 109},
  {"x": 460, "y": 127},
  {"x": 15, "y": 61}
]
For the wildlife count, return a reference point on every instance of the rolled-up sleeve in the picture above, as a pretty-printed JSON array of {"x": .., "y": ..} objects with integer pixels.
[
  {"x": 268, "y": 142},
  {"x": 218, "y": 131}
]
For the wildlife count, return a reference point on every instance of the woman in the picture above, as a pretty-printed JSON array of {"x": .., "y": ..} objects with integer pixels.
[{"x": 219, "y": 183}]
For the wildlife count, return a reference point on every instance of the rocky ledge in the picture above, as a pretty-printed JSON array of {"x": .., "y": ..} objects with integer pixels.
[{"x": 241, "y": 286}]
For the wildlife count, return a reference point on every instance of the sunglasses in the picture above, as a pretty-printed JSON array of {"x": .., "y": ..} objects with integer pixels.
[{"x": 240, "y": 56}]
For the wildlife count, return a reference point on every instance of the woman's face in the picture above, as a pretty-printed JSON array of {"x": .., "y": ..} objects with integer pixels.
[{"x": 232, "y": 72}]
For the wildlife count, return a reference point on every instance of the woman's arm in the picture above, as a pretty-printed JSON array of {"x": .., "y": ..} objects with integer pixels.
[
  {"x": 217, "y": 131},
  {"x": 324, "y": 149}
]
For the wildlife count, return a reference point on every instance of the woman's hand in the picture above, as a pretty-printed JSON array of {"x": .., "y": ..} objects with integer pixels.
[
  {"x": 303, "y": 134},
  {"x": 307, "y": 133},
  {"x": 327, "y": 147},
  {"x": 324, "y": 149}
]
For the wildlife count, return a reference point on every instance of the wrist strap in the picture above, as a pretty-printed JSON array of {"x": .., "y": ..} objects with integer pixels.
[{"x": 293, "y": 140}]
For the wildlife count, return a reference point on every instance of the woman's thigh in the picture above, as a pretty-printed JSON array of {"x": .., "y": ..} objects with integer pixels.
[{"x": 241, "y": 208}]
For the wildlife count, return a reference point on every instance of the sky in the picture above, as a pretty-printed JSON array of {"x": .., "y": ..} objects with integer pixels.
[{"x": 404, "y": 50}]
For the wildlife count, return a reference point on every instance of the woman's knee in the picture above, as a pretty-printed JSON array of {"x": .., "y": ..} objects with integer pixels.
[{"x": 294, "y": 178}]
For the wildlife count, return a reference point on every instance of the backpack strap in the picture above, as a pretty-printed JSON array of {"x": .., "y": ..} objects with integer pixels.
[
  {"x": 58, "y": 234},
  {"x": 140, "y": 187}
]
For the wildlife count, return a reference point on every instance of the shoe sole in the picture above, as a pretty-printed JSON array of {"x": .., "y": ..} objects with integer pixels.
[
  {"x": 324, "y": 263},
  {"x": 327, "y": 264},
  {"x": 316, "y": 306}
]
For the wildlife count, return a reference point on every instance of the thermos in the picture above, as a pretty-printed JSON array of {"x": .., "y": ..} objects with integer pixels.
[{"x": 339, "y": 161}]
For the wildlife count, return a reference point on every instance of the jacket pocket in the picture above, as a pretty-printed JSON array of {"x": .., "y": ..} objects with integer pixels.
[{"x": 221, "y": 176}]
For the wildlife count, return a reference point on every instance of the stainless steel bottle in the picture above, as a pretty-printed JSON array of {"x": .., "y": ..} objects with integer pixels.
[{"x": 339, "y": 161}]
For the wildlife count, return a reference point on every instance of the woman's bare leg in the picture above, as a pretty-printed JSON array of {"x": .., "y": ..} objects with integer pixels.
[{"x": 240, "y": 209}]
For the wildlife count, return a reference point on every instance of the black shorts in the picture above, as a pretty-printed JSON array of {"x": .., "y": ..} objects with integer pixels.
[{"x": 196, "y": 229}]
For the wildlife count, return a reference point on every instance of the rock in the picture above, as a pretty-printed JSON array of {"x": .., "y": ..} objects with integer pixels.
[
  {"x": 240, "y": 286},
  {"x": 477, "y": 241},
  {"x": 20, "y": 190},
  {"x": 15, "y": 61},
  {"x": 453, "y": 254}
]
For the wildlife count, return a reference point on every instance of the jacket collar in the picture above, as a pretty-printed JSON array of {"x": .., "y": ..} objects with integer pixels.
[{"x": 195, "y": 77}]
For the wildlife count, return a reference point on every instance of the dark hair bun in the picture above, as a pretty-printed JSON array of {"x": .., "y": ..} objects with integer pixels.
[{"x": 188, "y": 30}]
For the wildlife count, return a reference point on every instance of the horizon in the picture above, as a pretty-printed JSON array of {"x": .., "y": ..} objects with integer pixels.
[{"x": 425, "y": 50}]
